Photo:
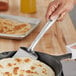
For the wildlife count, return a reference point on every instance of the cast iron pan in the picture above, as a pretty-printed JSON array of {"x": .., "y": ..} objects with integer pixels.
[{"x": 50, "y": 60}]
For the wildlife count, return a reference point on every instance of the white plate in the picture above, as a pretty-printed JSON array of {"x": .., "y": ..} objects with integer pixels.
[{"x": 33, "y": 21}]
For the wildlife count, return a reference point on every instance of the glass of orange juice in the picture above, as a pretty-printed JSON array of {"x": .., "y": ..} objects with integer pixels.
[{"x": 28, "y": 6}]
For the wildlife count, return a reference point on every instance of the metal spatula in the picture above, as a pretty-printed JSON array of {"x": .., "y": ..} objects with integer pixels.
[{"x": 29, "y": 52}]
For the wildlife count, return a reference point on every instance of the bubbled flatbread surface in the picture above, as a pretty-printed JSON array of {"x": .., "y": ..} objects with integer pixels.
[
  {"x": 8, "y": 26},
  {"x": 24, "y": 67}
]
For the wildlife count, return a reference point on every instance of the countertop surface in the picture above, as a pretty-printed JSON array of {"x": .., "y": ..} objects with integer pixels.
[
  {"x": 55, "y": 39},
  {"x": 69, "y": 68}
]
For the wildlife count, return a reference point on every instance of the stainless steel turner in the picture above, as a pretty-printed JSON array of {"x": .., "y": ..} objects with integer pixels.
[{"x": 29, "y": 52}]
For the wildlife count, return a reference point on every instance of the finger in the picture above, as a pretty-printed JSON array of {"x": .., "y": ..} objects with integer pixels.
[
  {"x": 57, "y": 12},
  {"x": 61, "y": 19},
  {"x": 49, "y": 12},
  {"x": 53, "y": 5},
  {"x": 61, "y": 16},
  {"x": 51, "y": 9}
]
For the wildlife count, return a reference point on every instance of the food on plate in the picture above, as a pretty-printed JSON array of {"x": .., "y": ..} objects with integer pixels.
[
  {"x": 8, "y": 26},
  {"x": 74, "y": 47},
  {"x": 3, "y": 6},
  {"x": 24, "y": 67}
]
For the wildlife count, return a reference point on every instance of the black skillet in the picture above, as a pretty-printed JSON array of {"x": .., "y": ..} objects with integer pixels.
[{"x": 50, "y": 60}]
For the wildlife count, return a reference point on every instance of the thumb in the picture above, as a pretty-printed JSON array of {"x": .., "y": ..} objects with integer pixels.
[{"x": 57, "y": 12}]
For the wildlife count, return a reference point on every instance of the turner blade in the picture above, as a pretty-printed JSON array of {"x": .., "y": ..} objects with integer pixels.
[{"x": 25, "y": 53}]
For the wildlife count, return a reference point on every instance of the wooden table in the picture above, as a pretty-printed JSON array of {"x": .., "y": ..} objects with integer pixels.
[{"x": 55, "y": 39}]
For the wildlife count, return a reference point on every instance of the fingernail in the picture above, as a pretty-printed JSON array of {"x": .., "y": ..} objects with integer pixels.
[{"x": 53, "y": 17}]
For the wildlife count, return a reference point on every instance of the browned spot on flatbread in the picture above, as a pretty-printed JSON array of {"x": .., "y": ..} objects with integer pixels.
[
  {"x": 39, "y": 65},
  {"x": 27, "y": 60},
  {"x": 18, "y": 60},
  {"x": 32, "y": 67},
  {"x": 31, "y": 72},
  {"x": 14, "y": 64},
  {"x": 19, "y": 26},
  {"x": 1, "y": 66},
  {"x": 21, "y": 75},
  {"x": 44, "y": 71},
  {"x": 15, "y": 70},
  {"x": 7, "y": 74},
  {"x": 22, "y": 72},
  {"x": 9, "y": 64}
]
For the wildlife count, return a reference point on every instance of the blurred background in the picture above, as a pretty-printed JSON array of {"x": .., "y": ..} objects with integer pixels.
[
  {"x": 17, "y": 3},
  {"x": 73, "y": 16}
]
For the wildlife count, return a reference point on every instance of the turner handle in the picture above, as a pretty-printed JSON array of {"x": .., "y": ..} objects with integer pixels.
[
  {"x": 45, "y": 28},
  {"x": 64, "y": 56}
]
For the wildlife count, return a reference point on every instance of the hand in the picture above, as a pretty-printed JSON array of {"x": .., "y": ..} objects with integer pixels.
[{"x": 59, "y": 8}]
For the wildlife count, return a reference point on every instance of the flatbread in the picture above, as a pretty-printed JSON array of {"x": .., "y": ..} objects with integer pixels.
[
  {"x": 24, "y": 67},
  {"x": 8, "y": 26}
]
